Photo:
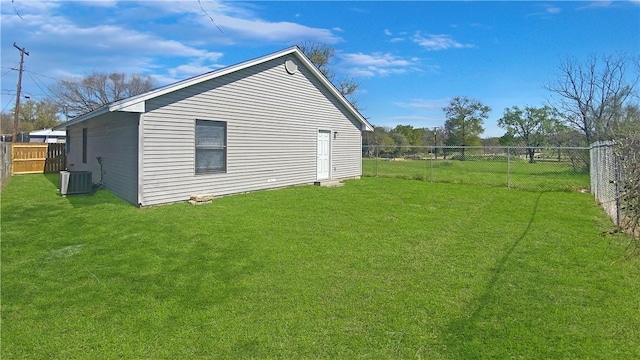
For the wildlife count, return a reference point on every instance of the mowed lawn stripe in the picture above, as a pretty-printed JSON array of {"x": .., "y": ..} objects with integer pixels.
[{"x": 378, "y": 268}]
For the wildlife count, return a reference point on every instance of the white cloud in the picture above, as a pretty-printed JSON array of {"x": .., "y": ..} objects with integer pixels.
[
  {"x": 115, "y": 39},
  {"x": 100, "y": 3},
  {"x": 170, "y": 40},
  {"x": 397, "y": 39},
  {"x": 376, "y": 59},
  {"x": 435, "y": 42},
  {"x": 553, "y": 9},
  {"x": 27, "y": 7},
  {"x": 426, "y": 104},
  {"x": 238, "y": 22},
  {"x": 191, "y": 69},
  {"x": 549, "y": 10},
  {"x": 377, "y": 64},
  {"x": 387, "y": 32},
  {"x": 274, "y": 31},
  {"x": 602, "y": 4}
]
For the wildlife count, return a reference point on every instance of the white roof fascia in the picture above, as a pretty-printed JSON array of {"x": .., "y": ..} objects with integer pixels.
[
  {"x": 138, "y": 107},
  {"x": 366, "y": 126}
]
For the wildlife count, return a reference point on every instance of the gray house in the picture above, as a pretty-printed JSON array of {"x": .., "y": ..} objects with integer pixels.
[{"x": 270, "y": 122}]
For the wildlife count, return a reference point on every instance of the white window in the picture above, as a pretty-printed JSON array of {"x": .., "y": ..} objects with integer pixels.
[{"x": 211, "y": 146}]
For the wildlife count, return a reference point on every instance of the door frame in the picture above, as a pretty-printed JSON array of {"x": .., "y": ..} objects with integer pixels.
[{"x": 330, "y": 157}]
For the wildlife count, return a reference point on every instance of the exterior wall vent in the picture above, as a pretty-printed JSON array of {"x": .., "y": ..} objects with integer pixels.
[{"x": 75, "y": 182}]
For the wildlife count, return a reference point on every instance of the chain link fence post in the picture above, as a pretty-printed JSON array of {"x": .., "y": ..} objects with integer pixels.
[
  {"x": 376, "y": 147},
  {"x": 508, "y": 167},
  {"x": 433, "y": 153}
]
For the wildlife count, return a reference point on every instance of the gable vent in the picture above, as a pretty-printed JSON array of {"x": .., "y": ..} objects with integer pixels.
[{"x": 75, "y": 182}]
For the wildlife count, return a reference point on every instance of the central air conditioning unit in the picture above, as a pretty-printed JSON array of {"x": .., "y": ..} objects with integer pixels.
[{"x": 75, "y": 182}]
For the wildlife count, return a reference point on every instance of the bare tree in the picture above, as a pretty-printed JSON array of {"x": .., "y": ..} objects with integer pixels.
[
  {"x": 593, "y": 93},
  {"x": 321, "y": 55},
  {"x": 79, "y": 95}
]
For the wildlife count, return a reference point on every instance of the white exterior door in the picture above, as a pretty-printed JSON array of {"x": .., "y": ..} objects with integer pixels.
[{"x": 324, "y": 154}]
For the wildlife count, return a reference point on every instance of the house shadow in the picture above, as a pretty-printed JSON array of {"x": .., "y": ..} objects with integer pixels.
[
  {"x": 98, "y": 196},
  {"x": 53, "y": 178},
  {"x": 462, "y": 333}
]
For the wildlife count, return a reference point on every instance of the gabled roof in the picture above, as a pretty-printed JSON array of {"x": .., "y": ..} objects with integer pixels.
[{"x": 137, "y": 103}]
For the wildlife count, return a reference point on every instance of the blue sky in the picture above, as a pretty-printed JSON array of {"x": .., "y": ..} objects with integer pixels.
[{"x": 409, "y": 57}]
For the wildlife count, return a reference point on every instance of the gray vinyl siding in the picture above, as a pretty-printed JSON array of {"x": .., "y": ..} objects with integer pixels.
[
  {"x": 272, "y": 123},
  {"x": 114, "y": 137}
]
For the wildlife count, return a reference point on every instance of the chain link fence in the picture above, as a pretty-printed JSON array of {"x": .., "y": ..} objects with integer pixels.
[
  {"x": 523, "y": 168},
  {"x": 605, "y": 178}
]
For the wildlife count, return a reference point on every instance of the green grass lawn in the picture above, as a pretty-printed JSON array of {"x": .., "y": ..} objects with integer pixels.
[
  {"x": 380, "y": 268},
  {"x": 518, "y": 174}
]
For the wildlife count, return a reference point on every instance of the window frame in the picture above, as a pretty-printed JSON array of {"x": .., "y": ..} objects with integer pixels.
[
  {"x": 84, "y": 145},
  {"x": 222, "y": 148}
]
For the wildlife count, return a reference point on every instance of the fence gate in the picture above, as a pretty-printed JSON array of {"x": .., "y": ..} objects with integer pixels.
[
  {"x": 56, "y": 158},
  {"x": 37, "y": 158}
]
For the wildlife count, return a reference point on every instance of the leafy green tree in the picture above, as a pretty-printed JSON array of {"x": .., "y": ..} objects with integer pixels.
[
  {"x": 424, "y": 137},
  {"x": 378, "y": 142},
  {"x": 464, "y": 120},
  {"x": 491, "y": 141},
  {"x": 508, "y": 139},
  {"x": 6, "y": 123},
  {"x": 408, "y": 136},
  {"x": 33, "y": 115},
  {"x": 629, "y": 124},
  {"x": 532, "y": 126}
]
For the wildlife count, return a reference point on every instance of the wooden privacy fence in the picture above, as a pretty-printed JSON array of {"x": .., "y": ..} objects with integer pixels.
[{"x": 37, "y": 158}]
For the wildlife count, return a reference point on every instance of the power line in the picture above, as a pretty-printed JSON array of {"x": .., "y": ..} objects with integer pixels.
[
  {"x": 35, "y": 73},
  {"x": 9, "y": 102},
  {"x": 38, "y": 82},
  {"x": 8, "y": 71}
]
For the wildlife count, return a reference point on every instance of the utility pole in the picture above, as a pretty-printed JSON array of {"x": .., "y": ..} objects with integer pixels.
[{"x": 18, "y": 90}]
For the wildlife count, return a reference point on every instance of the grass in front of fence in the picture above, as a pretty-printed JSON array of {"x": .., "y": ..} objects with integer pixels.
[
  {"x": 378, "y": 268},
  {"x": 518, "y": 174}
]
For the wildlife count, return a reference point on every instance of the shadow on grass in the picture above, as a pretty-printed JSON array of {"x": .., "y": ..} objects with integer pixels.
[
  {"x": 53, "y": 178},
  {"x": 99, "y": 196},
  {"x": 462, "y": 335}
]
